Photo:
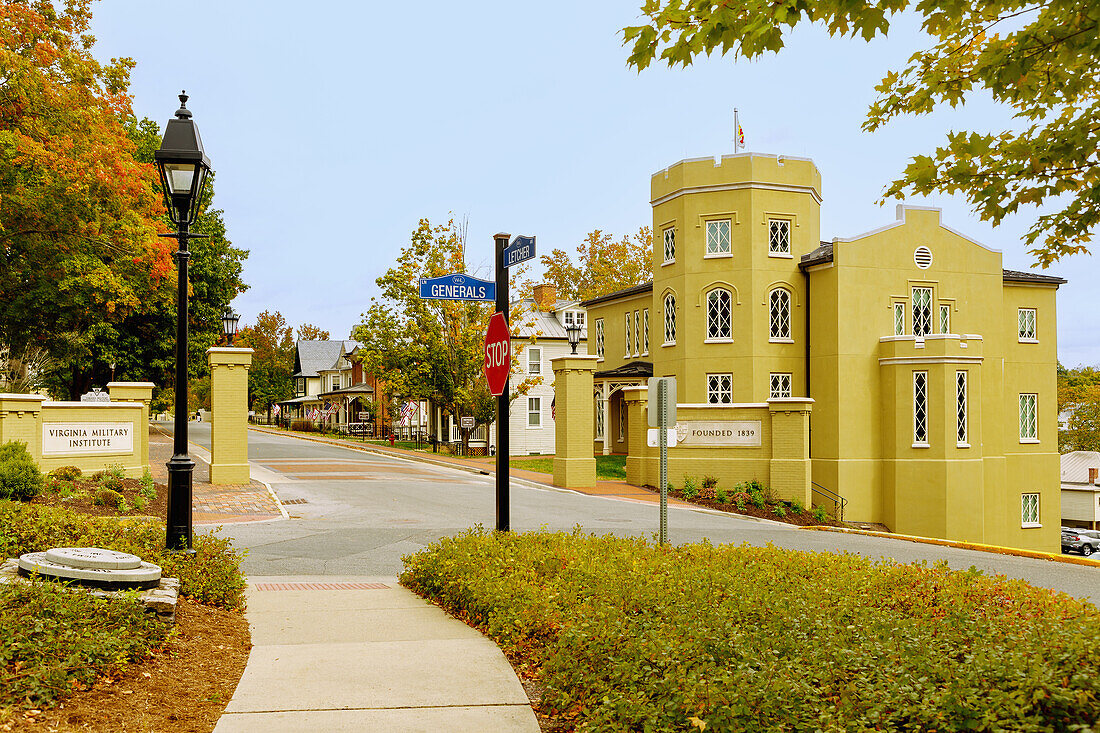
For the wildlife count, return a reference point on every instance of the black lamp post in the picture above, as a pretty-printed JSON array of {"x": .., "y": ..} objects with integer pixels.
[
  {"x": 229, "y": 325},
  {"x": 573, "y": 333},
  {"x": 183, "y": 169}
]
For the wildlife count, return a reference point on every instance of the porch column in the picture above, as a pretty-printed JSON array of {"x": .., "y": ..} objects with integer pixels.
[
  {"x": 574, "y": 464},
  {"x": 606, "y": 420},
  {"x": 229, "y": 421}
]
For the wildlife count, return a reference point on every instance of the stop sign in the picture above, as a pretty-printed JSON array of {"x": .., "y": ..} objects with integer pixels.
[{"x": 498, "y": 354}]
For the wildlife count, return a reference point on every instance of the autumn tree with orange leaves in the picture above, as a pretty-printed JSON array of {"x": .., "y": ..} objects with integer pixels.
[{"x": 603, "y": 265}]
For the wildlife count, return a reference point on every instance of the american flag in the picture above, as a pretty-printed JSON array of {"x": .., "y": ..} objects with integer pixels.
[
  {"x": 275, "y": 410},
  {"x": 407, "y": 411},
  {"x": 314, "y": 414}
]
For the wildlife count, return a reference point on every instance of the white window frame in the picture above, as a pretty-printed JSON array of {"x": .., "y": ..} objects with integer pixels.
[
  {"x": 779, "y": 385},
  {"x": 567, "y": 319},
  {"x": 627, "y": 333},
  {"x": 962, "y": 410},
  {"x": 1029, "y": 417},
  {"x": 599, "y": 339},
  {"x": 713, "y": 246},
  {"x": 670, "y": 319},
  {"x": 645, "y": 332},
  {"x": 580, "y": 318},
  {"x": 922, "y": 311},
  {"x": 599, "y": 417},
  {"x": 534, "y": 411},
  {"x": 945, "y": 318},
  {"x": 720, "y": 386},
  {"x": 335, "y": 382},
  {"x": 784, "y": 331},
  {"x": 534, "y": 360},
  {"x": 637, "y": 333},
  {"x": 783, "y": 226},
  {"x": 1029, "y": 510},
  {"x": 724, "y": 335},
  {"x": 899, "y": 319},
  {"x": 622, "y": 420},
  {"x": 1027, "y": 320},
  {"x": 920, "y": 409},
  {"x": 669, "y": 237}
]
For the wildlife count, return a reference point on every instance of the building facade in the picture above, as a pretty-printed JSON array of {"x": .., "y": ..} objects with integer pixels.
[{"x": 931, "y": 370}]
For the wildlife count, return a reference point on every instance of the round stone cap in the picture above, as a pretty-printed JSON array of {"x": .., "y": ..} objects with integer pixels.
[
  {"x": 92, "y": 557},
  {"x": 144, "y": 575}
]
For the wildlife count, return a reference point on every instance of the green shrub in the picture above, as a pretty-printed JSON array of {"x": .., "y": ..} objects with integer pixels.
[
  {"x": 107, "y": 497},
  {"x": 691, "y": 488},
  {"x": 820, "y": 515},
  {"x": 710, "y": 482},
  {"x": 721, "y": 496},
  {"x": 630, "y": 636},
  {"x": 757, "y": 499},
  {"x": 741, "y": 500},
  {"x": 139, "y": 503},
  {"x": 19, "y": 480},
  {"x": 779, "y": 510},
  {"x": 111, "y": 481},
  {"x": 797, "y": 507},
  {"x": 14, "y": 450},
  {"x": 116, "y": 470},
  {"x": 66, "y": 473},
  {"x": 148, "y": 486}
]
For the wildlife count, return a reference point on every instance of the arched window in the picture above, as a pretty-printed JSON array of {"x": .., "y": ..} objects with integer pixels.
[
  {"x": 719, "y": 314},
  {"x": 670, "y": 319},
  {"x": 779, "y": 308}
]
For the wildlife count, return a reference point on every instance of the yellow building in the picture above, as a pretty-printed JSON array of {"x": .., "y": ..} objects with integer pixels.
[{"x": 930, "y": 368}]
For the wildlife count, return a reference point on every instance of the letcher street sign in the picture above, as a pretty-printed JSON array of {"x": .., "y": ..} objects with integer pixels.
[
  {"x": 520, "y": 250},
  {"x": 498, "y": 354},
  {"x": 457, "y": 287}
]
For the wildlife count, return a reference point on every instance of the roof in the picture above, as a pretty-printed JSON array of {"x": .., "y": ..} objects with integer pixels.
[
  {"x": 311, "y": 357},
  {"x": 624, "y": 293},
  {"x": 543, "y": 324},
  {"x": 824, "y": 253},
  {"x": 355, "y": 389},
  {"x": 634, "y": 369},
  {"x": 1076, "y": 465}
]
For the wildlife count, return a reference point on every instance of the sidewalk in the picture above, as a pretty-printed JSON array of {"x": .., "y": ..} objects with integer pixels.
[{"x": 364, "y": 654}]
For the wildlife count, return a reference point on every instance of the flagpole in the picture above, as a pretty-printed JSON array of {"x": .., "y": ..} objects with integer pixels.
[{"x": 736, "y": 132}]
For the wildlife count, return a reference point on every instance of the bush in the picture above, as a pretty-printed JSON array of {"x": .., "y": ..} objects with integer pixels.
[
  {"x": 710, "y": 482},
  {"x": 797, "y": 507},
  {"x": 721, "y": 496},
  {"x": 630, "y": 636},
  {"x": 757, "y": 498},
  {"x": 741, "y": 500},
  {"x": 107, "y": 497},
  {"x": 820, "y": 515},
  {"x": 707, "y": 492},
  {"x": 20, "y": 478},
  {"x": 691, "y": 489},
  {"x": 148, "y": 486},
  {"x": 779, "y": 510},
  {"x": 66, "y": 473}
]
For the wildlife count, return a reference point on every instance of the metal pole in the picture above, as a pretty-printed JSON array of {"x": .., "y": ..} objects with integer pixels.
[
  {"x": 501, "y": 241},
  {"x": 180, "y": 468},
  {"x": 662, "y": 426},
  {"x": 736, "y": 132}
]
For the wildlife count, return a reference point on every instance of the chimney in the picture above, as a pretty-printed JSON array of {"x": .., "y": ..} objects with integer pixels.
[
  {"x": 1093, "y": 473},
  {"x": 546, "y": 296}
]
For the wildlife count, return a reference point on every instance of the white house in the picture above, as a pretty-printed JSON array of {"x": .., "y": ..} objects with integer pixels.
[{"x": 1080, "y": 489}]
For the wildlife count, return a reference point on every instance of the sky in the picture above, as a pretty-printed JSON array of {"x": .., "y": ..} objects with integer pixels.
[{"x": 335, "y": 127}]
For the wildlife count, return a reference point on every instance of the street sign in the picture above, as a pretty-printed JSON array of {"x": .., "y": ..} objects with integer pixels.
[
  {"x": 520, "y": 250},
  {"x": 498, "y": 354},
  {"x": 457, "y": 287},
  {"x": 653, "y": 401},
  {"x": 466, "y": 422}
]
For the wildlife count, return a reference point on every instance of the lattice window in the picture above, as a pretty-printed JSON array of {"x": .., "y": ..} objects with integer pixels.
[
  {"x": 645, "y": 331},
  {"x": 780, "y": 385},
  {"x": 1029, "y": 510},
  {"x": 780, "y": 314},
  {"x": 670, "y": 245},
  {"x": 920, "y": 407},
  {"x": 670, "y": 319},
  {"x": 945, "y": 319},
  {"x": 637, "y": 333},
  {"x": 1027, "y": 324},
  {"x": 960, "y": 407},
  {"x": 534, "y": 412},
  {"x": 899, "y": 319},
  {"x": 627, "y": 332},
  {"x": 720, "y": 389},
  {"x": 718, "y": 237},
  {"x": 599, "y": 415},
  {"x": 719, "y": 314},
  {"x": 534, "y": 360},
  {"x": 779, "y": 236},
  {"x": 622, "y": 421},
  {"x": 599, "y": 337},
  {"x": 922, "y": 311},
  {"x": 1028, "y": 417}
]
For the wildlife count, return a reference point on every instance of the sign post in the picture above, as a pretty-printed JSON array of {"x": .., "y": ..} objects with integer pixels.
[
  {"x": 662, "y": 390},
  {"x": 503, "y": 449}
]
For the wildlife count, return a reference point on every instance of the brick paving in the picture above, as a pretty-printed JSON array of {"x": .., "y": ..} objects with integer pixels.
[{"x": 212, "y": 503}]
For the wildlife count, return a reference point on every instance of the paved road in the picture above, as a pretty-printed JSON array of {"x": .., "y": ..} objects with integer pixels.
[{"x": 357, "y": 513}]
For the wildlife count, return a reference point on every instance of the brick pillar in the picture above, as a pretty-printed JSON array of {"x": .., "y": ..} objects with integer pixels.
[
  {"x": 229, "y": 414},
  {"x": 136, "y": 392},
  {"x": 575, "y": 421},
  {"x": 790, "y": 461},
  {"x": 21, "y": 419},
  {"x": 635, "y": 402}
]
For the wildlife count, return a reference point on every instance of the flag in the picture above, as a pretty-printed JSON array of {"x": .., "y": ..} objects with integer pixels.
[
  {"x": 275, "y": 410},
  {"x": 407, "y": 411},
  {"x": 740, "y": 136}
]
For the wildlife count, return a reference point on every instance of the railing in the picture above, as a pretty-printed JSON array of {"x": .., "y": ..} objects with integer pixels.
[{"x": 838, "y": 500}]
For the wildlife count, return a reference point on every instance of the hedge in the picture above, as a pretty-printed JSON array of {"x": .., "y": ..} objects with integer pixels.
[{"x": 632, "y": 636}]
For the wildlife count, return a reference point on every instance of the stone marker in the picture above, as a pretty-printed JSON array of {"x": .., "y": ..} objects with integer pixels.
[
  {"x": 91, "y": 566},
  {"x": 93, "y": 557}
]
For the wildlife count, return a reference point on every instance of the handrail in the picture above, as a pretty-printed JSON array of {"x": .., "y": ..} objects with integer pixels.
[{"x": 838, "y": 500}]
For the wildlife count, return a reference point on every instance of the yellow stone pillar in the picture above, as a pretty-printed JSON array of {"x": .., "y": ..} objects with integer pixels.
[
  {"x": 635, "y": 402},
  {"x": 21, "y": 419},
  {"x": 790, "y": 461},
  {"x": 136, "y": 392},
  {"x": 229, "y": 414},
  {"x": 575, "y": 423}
]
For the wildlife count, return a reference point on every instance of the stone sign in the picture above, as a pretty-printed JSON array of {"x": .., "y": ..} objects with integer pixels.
[
  {"x": 718, "y": 434},
  {"x": 87, "y": 438}
]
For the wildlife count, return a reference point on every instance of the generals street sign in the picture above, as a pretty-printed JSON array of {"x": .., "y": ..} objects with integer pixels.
[
  {"x": 498, "y": 354},
  {"x": 457, "y": 287}
]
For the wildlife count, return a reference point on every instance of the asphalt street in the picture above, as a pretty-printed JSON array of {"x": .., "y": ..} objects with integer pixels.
[{"x": 355, "y": 513}]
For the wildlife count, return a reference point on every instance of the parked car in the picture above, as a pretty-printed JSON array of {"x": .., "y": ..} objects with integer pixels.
[{"x": 1076, "y": 540}]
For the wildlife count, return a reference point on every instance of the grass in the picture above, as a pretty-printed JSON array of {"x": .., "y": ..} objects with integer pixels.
[{"x": 607, "y": 467}]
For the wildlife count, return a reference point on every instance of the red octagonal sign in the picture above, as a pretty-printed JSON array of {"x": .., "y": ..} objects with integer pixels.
[{"x": 498, "y": 354}]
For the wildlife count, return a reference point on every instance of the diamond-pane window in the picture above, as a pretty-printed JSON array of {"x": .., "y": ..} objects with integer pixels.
[
  {"x": 622, "y": 421},
  {"x": 920, "y": 407},
  {"x": 780, "y": 314},
  {"x": 945, "y": 319},
  {"x": 670, "y": 245},
  {"x": 720, "y": 389},
  {"x": 645, "y": 331},
  {"x": 719, "y": 314},
  {"x": 1027, "y": 324},
  {"x": 899, "y": 319},
  {"x": 718, "y": 237},
  {"x": 922, "y": 311},
  {"x": 670, "y": 319},
  {"x": 599, "y": 415},
  {"x": 627, "y": 332},
  {"x": 637, "y": 333},
  {"x": 1029, "y": 509},
  {"x": 779, "y": 236},
  {"x": 599, "y": 337},
  {"x": 780, "y": 385},
  {"x": 1028, "y": 418},
  {"x": 960, "y": 407}
]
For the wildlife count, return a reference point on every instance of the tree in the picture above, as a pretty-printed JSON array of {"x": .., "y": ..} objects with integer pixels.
[
  {"x": 603, "y": 265},
  {"x": 272, "y": 342},
  {"x": 1079, "y": 394},
  {"x": 1038, "y": 58},
  {"x": 309, "y": 332}
]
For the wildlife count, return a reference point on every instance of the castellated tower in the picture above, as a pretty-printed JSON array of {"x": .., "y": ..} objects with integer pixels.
[{"x": 729, "y": 298}]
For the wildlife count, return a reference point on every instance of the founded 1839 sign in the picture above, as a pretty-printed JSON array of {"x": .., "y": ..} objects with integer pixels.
[
  {"x": 77, "y": 438},
  {"x": 712, "y": 434}
]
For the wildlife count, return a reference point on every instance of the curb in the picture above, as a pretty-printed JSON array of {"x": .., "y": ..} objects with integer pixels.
[{"x": 995, "y": 549}]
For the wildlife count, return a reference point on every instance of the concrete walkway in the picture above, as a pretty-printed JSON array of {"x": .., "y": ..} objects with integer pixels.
[{"x": 364, "y": 654}]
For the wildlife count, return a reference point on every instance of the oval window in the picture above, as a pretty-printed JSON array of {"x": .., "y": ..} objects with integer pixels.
[{"x": 923, "y": 257}]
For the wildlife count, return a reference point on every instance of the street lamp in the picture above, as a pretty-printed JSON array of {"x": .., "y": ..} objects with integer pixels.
[
  {"x": 573, "y": 333},
  {"x": 183, "y": 167},
  {"x": 229, "y": 325}
]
